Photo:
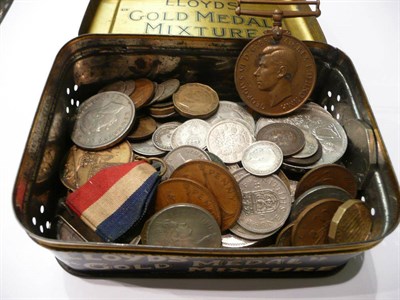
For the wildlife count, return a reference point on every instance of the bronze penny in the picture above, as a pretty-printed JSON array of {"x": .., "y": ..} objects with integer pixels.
[
  {"x": 221, "y": 184},
  {"x": 80, "y": 165},
  {"x": 287, "y": 136},
  {"x": 196, "y": 100},
  {"x": 312, "y": 225},
  {"x": 284, "y": 237},
  {"x": 329, "y": 174},
  {"x": 183, "y": 190},
  {"x": 143, "y": 92},
  {"x": 118, "y": 86},
  {"x": 143, "y": 129},
  {"x": 352, "y": 222},
  {"x": 273, "y": 78}
]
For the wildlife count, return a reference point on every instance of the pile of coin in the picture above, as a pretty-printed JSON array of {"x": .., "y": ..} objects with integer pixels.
[{"x": 228, "y": 169}]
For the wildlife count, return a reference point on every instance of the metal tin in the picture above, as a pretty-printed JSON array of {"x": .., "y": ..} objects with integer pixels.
[
  {"x": 185, "y": 18},
  {"x": 90, "y": 61}
]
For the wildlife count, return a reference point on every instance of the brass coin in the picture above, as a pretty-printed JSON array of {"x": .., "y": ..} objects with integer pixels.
[
  {"x": 352, "y": 222},
  {"x": 196, "y": 100},
  {"x": 312, "y": 225},
  {"x": 287, "y": 136},
  {"x": 143, "y": 129},
  {"x": 143, "y": 93},
  {"x": 330, "y": 174},
  {"x": 221, "y": 184},
  {"x": 183, "y": 190},
  {"x": 80, "y": 165},
  {"x": 273, "y": 78},
  {"x": 284, "y": 237}
]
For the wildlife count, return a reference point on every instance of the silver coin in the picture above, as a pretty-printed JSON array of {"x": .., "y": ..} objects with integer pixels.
[
  {"x": 159, "y": 89},
  {"x": 229, "y": 110},
  {"x": 233, "y": 241},
  {"x": 239, "y": 173},
  {"x": 246, "y": 234},
  {"x": 317, "y": 193},
  {"x": 168, "y": 88},
  {"x": 362, "y": 153},
  {"x": 162, "y": 136},
  {"x": 324, "y": 127},
  {"x": 146, "y": 148},
  {"x": 130, "y": 86},
  {"x": 192, "y": 132},
  {"x": 103, "y": 120},
  {"x": 228, "y": 139},
  {"x": 266, "y": 203},
  {"x": 310, "y": 146},
  {"x": 180, "y": 155},
  {"x": 183, "y": 225},
  {"x": 262, "y": 158}
]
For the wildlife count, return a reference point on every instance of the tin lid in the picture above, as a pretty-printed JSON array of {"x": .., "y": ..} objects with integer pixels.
[{"x": 213, "y": 19}]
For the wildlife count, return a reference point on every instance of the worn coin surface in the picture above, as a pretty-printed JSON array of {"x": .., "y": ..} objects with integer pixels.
[
  {"x": 103, "y": 120},
  {"x": 266, "y": 203},
  {"x": 330, "y": 174},
  {"x": 304, "y": 162},
  {"x": 117, "y": 86},
  {"x": 183, "y": 190},
  {"x": 262, "y": 158},
  {"x": 316, "y": 193},
  {"x": 352, "y": 222},
  {"x": 246, "y": 234},
  {"x": 229, "y": 110},
  {"x": 80, "y": 165},
  {"x": 169, "y": 87},
  {"x": 310, "y": 146},
  {"x": 288, "y": 137},
  {"x": 312, "y": 225},
  {"x": 183, "y": 225},
  {"x": 221, "y": 184},
  {"x": 143, "y": 129},
  {"x": 285, "y": 236},
  {"x": 192, "y": 132},
  {"x": 143, "y": 93},
  {"x": 162, "y": 136},
  {"x": 196, "y": 100},
  {"x": 275, "y": 79},
  {"x": 232, "y": 241},
  {"x": 129, "y": 86},
  {"x": 228, "y": 139},
  {"x": 146, "y": 148}
]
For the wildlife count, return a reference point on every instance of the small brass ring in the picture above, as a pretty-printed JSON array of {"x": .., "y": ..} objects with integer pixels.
[{"x": 163, "y": 169}]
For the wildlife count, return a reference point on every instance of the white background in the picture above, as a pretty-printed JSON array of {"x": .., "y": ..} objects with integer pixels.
[{"x": 31, "y": 35}]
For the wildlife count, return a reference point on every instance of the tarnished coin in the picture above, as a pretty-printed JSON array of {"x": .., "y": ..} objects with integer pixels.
[
  {"x": 180, "y": 155},
  {"x": 169, "y": 87},
  {"x": 130, "y": 86},
  {"x": 80, "y": 165},
  {"x": 275, "y": 79},
  {"x": 232, "y": 241},
  {"x": 323, "y": 126},
  {"x": 312, "y": 225},
  {"x": 143, "y": 129},
  {"x": 143, "y": 93},
  {"x": 158, "y": 90},
  {"x": 246, "y": 234},
  {"x": 310, "y": 146},
  {"x": 162, "y": 136},
  {"x": 330, "y": 174},
  {"x": 266, "y": 203},
  {"x": 117, "y": 86},
  {"x": 219, "y": 182},
  {"x": 228, "y": 139},
  {"x": 229, "y": 110},
  {"x": 288, "y": 137},
  {"x": 317, "y": 193},
  {"x": 183, "y": 225},
  {"x": 262, "y": 158},
  {"x": 162, "y": 112},
  {"x": 192, "y": 132},
  {"x": 304, "y": 162},
  {"x": 183, "y": 190},
  {"x": 103, "y": 120},
  {"x": 196, "y": 100},
  {"x": 352, "y": 222},
  {"x": 284, "y": 238},
  {"x": 146, "y": 148},
  {"x": 216, "y": 159}
]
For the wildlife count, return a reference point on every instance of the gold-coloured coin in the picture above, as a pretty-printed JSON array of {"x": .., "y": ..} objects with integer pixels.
[
  {"x": 352, "y": 222},
  {"x": 196, "y": 100}
]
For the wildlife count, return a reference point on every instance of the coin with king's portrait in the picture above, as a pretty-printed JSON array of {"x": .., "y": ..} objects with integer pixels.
[{"x": 275, "y": 78}]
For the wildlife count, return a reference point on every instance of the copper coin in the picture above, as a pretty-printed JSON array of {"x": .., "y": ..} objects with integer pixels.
[
  {"x": 287, "y": 136},
  {"x": 118, "y": 86},
  {"x": 196, "y": 100},
  {"x": 143, "y": 129},
  {"x": 312, "y": 225},
  {"x": 143, "y": 93},
  {"x": 80, "y": 165},
  {"x": 183, "y": 190},
  {"x": 330, "y": 174},
  {"x": 284, "y": 237},
  {"x": 221, "y": 184},
  {"x": 272, "y": 78},
  {"x": 352, "y": 222}
]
